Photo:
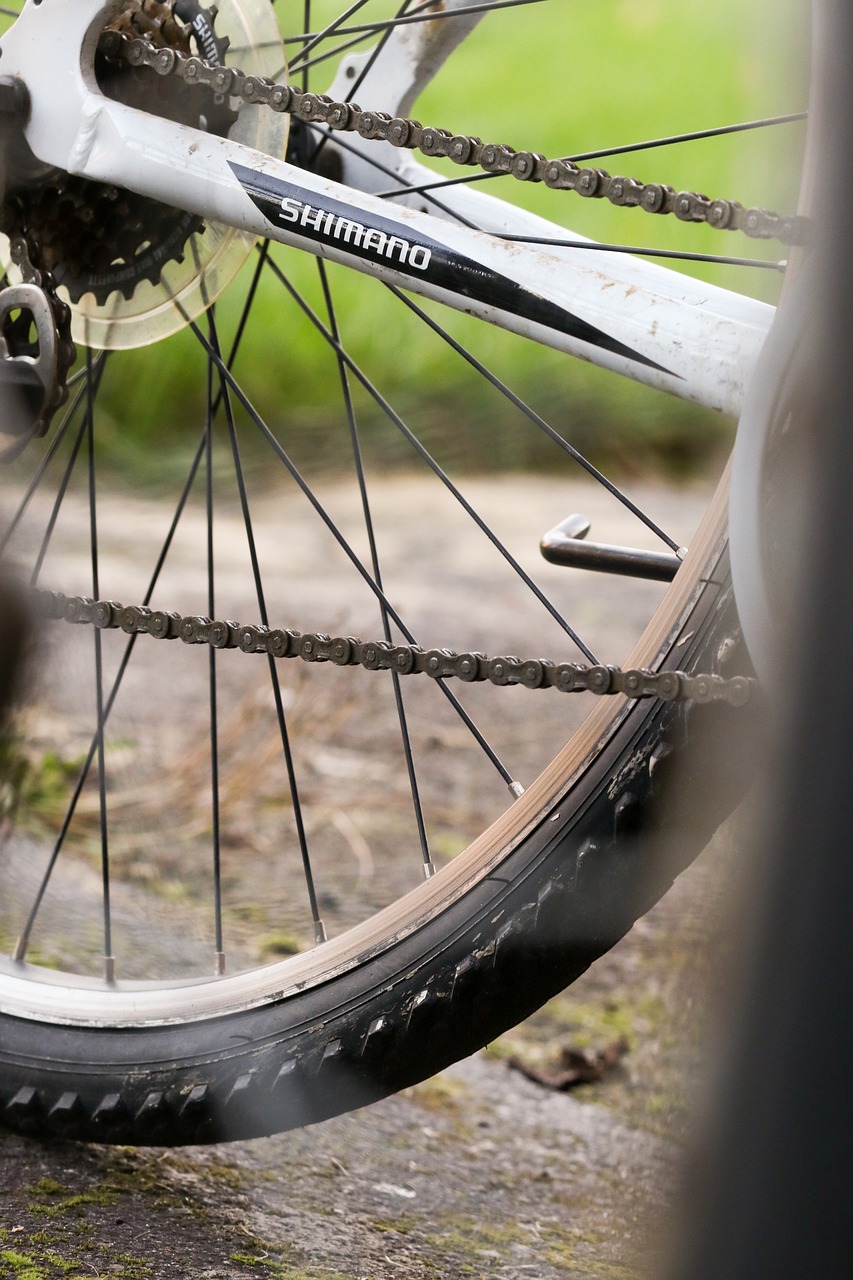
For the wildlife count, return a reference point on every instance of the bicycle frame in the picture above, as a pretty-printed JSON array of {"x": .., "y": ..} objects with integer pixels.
[{"x": 632, "y": 317}]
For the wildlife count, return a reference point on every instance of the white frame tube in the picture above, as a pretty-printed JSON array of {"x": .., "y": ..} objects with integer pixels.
[{"x": 636, "y": 318}]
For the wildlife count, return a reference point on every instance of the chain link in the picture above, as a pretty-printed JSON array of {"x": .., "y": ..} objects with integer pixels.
[
  {"x": 381, "y": 655},
  {"x": 462, "y": 149}
]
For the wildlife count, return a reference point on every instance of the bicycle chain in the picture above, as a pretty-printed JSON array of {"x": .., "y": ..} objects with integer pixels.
[
  {"x": 462, "y": 149},
  {"x": 404, "y": 659},
  {"x": 526, "y": 166},
  {"x": 493, "y": 158}
]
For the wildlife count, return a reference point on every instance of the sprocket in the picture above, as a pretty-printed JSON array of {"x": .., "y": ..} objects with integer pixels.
[{"x": 96, "y": 239}]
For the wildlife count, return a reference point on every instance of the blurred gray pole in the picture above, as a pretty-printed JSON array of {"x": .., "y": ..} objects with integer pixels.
[
  {"x": 14, "y": 628},
  {"x": 770, "y": 1194}
]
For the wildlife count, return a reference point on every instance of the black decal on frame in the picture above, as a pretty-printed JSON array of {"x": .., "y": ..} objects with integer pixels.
[{"x": 331, "y": 222}]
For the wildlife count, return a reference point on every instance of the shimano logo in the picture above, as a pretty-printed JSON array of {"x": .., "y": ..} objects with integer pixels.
[
  {"x": 333, "y": 226},
  {"x": 207, "y": 39}
]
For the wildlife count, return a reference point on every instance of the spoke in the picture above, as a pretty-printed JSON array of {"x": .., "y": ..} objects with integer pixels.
[
  {"x": 290, "y": 767},
  {"x": 301, "y": 64},
  {"x": 361, "y": 32},
  {"x": 427, "y": 457},
  {"x": 424, "y": 13},
  {"x": 50, "y": 454},
  {"x": 674, "y": 139},
  {"x": 346, "y": 392},
  {"x": 364, "y": 573},
  {"x": 536, "y": 419},
  {"x": 263, "y": 251},
  {"x": 212, "y": 686},
  {"x": 57, "y": 505},
  {"x": 109, "y": 961},
  {"x": 594, "y": 246},
  {"x": 24, "y": 938},
  {"x": 307, "y": 25},
  {"x": 311, "y": 39},
  {"x": 439, "y": 184},
  {"x": 254, "y": 46}
]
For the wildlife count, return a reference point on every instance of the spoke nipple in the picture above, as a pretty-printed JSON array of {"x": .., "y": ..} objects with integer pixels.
[
  {"x": 516, "y": 789},
  {"x": 20, "y": 951},
  {"x": 109, "y": 969},
  {"x": 220, "y": 964},
  {"x": 319, "y": 932},
  {"x": 430, "y": 869},
  {"x": 682, "y": 552}
]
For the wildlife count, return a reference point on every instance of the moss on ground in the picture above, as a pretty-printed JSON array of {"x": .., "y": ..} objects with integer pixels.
[
  {"x": 50, "y": 1264},
  {"x": 477, "y": 1245},
  {"x": 441, "y": 1094},
  {"x": 78, "y": 1228},
  {"x": 276, "y": 1270}
]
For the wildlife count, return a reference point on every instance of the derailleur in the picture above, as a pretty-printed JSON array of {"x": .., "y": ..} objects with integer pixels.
[
  {"x": 36, "y": 349},
  {"x": 36, "y": 352}
]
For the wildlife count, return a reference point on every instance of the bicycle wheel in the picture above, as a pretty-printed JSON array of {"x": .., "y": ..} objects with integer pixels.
[{"x": 139, "y": 1001}]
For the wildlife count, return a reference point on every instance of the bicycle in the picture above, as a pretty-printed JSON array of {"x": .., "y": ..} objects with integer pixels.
[{"x": 95, "y": 1046}]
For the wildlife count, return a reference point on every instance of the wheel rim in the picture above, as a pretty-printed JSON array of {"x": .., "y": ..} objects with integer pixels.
[{"x": 426, "y": 899}]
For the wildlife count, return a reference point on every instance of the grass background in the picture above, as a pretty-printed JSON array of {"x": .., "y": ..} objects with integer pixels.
[{"x": 561, "y": 77}]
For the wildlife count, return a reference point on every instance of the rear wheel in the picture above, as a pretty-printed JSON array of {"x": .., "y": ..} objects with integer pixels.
[{"x": 141, "y": 999}]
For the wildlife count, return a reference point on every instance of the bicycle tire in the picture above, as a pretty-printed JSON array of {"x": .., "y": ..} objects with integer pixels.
[
  {"x": 585, "y": 851},
  {"x": 527, "y": 924}
]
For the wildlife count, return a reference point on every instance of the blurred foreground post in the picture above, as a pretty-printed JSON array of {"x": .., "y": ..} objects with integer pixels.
[
  {"x": 770, "y": 1193},
  {"x": 13, "y": 633}
]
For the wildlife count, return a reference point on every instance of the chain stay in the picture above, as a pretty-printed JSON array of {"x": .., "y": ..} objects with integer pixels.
[
  {"x": 380, "y": 655},
  {"x": 493, "y": 158}
]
